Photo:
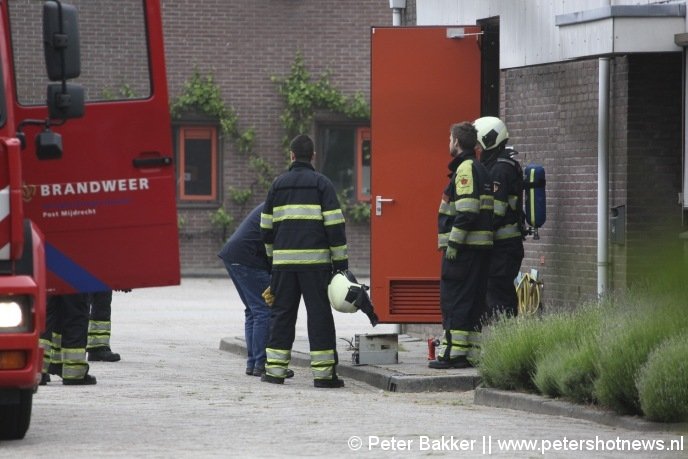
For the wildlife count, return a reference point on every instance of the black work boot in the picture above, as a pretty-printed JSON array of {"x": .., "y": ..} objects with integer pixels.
[
  {"x": 45, "y": 379},
  {"x": 271, "y": 379},
  {"x": 102, "y": 354},
  {"x": 459, "y": 362},
  {"x": 258, "y": 371},
  {"x": 85, "y": 381}
]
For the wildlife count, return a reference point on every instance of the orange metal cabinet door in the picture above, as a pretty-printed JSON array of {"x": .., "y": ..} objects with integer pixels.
[{"x": 423, "y": 80}]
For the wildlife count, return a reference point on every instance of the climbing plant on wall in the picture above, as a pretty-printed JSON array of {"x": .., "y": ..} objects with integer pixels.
[
  {"x": 201, "y": 94},
  {"x": 302, "y": 96}
]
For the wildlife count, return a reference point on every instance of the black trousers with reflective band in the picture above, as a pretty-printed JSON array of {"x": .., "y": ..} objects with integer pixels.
[
  {"x": 68, "y": 316},
  {"x": 463, "y": 288},
  {"x": 101, "y": 306},
  {"x": 288, "y": 287}
]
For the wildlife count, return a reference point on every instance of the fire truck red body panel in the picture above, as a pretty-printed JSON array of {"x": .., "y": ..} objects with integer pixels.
[
  {"x": 101, "y": 217},
  {"x": 109, "y": 224},
  {"x": 423, "y": 79}
]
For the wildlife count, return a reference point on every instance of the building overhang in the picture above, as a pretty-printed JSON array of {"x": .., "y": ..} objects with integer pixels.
[{"x": 621, "y": 29}]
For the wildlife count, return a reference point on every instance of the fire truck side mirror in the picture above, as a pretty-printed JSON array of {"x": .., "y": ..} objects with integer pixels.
[
  {"x": 61, "y": 40},
  {"x": 65, "y": 101}
]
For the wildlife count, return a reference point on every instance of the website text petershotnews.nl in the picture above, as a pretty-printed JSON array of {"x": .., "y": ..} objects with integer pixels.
[{"x": 489, "y": 444}]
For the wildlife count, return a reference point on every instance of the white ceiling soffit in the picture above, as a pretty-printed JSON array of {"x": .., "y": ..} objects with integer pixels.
[{"x": 620, "y": 29}]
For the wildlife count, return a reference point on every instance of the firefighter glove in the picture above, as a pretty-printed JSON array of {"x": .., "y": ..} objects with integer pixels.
[
  {"x": 268, "y": 296},
  {"x": 450, "y": 254}
]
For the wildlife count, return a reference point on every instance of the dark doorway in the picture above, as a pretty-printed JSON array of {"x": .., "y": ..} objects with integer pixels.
[{"x": 489, "y": 68}]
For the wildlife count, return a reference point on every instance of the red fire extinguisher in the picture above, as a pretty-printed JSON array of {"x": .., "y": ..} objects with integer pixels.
[{"x": 432, "y": 344}]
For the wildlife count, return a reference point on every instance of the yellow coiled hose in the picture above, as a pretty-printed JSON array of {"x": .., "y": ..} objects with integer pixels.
[{"x": 528, "y": 292}]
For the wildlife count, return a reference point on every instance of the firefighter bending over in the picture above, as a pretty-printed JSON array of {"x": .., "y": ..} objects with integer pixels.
[
  {"x": 465, "y": 235},
  {"x": 303, "y": 230}
]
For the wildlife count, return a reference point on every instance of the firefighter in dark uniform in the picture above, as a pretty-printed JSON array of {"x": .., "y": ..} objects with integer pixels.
[
  {"x": 303, "y": 230},
  {"x": 507, "y": 180},
  {"x": 64, "y": 339},
  {"x": 465, "y": 235},
  {"x": 100, "y": 328}
]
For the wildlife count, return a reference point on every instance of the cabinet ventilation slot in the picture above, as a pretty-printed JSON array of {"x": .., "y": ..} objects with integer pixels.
[{"x": 414, "y": 296}]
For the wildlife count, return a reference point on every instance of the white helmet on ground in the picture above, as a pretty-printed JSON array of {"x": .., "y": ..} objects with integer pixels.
[{"x": 491, "y": 132}]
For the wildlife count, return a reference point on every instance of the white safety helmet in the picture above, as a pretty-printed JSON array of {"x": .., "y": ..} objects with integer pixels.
[
  {"x": 491, "y": 132},
  {"x": 343, "y": 292}
]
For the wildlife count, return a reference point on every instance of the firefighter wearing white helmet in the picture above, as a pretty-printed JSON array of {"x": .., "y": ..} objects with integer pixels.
[
  {"x": 492, "y": 133},
  {"x": 507, "y": 183}
]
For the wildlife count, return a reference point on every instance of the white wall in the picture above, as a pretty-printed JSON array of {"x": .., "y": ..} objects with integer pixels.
[{"x": 529, "y": 35}]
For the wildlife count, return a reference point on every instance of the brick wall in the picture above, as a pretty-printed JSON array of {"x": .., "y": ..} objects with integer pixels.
[
  {"x": 244, "y": 44},
  {"x": 551, "y": 113}
]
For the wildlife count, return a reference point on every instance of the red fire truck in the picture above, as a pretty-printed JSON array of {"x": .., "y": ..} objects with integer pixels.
[{"x": 87, "y": 196}]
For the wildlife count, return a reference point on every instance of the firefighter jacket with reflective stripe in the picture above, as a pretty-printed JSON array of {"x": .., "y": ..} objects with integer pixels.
[
  {"x": 302, "y": 223},
  {"x": 507, "y": 180},
  {"x": 465, "y": 214}
]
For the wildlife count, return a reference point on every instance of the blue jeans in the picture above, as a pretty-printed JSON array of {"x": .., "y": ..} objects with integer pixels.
[{"x": 250, "y": 284}]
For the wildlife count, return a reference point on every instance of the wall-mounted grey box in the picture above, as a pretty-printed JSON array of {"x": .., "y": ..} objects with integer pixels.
[{"x": 617, "y": 225}]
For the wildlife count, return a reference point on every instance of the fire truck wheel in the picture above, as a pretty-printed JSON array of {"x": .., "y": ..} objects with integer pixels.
[{"x": 15, "y": 417}]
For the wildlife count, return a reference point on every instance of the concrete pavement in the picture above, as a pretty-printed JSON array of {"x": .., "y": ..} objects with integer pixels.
[
  {"x": 411, "y": 374},
  {"x": 175, "y": 394}
]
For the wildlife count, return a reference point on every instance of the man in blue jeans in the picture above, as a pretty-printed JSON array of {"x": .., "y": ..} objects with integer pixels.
[{"x": 247, "y": 264}]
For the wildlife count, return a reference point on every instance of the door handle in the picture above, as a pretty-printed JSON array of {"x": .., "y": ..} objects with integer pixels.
[
  {"x": 378, "y": 204},
  {"x": 157, "y": 161}
]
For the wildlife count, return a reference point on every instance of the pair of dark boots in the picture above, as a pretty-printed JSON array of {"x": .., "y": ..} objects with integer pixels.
[{"x": 334, "y": 383}]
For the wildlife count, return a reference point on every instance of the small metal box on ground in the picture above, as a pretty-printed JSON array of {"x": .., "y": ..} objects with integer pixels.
[{"x": 376, "y": 349}]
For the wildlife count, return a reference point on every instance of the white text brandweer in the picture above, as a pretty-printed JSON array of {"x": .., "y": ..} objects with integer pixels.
[{"x": 93, "y": 187}]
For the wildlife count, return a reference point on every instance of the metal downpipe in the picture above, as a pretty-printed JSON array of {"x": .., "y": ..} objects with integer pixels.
[{"x": 603, "y": 177}]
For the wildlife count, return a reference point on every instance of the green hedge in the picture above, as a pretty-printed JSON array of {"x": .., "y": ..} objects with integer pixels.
[
  {"x": 568, "y": 368},
  {"x": 662, "y": 384},
  {"x": 512, "y": 346},
  {"x": 627, "y": 353}
]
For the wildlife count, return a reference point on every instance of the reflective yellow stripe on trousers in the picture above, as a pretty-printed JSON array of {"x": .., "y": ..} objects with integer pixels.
[
  {"x": 74, "y": 364},
  {"x": 322, "y": 364},
  {"x": 277, "y": 362},
  {"x": 98, "y": 333}
]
